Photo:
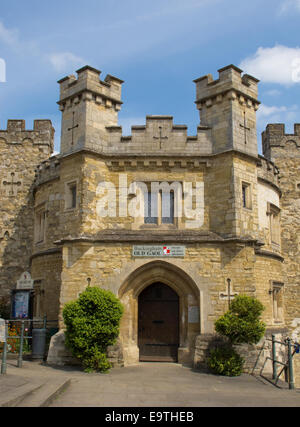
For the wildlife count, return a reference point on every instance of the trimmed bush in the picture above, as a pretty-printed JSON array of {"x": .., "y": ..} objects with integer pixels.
[
  {"x": 242, "y": 324},
  {"x": 225, "y": 361},
  {"x": 93, "y": 324}
]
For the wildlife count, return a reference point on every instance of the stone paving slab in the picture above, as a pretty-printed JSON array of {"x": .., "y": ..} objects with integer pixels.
[
  {"x": 144, "y": 385},
  {"x": 171, "y": 385}
]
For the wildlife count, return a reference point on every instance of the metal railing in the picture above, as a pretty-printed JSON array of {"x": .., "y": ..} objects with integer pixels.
[
  {"x": 287, "y": 367},
  {"x": 33, "y": 324}
]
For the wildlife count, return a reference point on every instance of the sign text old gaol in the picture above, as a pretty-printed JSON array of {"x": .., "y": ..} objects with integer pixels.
[{"x": 159, "y": 251}]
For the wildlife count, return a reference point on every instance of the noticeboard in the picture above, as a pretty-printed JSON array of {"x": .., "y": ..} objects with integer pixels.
[{"x": 20, "y": 305}]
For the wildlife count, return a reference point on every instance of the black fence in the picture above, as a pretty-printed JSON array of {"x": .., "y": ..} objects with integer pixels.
[{"x": 30, "y": 337}]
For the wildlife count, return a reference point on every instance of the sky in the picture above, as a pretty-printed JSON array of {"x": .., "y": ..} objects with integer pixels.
[{"x": 158, "y": 48}]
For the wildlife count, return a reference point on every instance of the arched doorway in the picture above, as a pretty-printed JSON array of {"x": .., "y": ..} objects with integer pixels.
[
  {"x": 158, "y": 324},
  {"x": 188, "y": 296}
]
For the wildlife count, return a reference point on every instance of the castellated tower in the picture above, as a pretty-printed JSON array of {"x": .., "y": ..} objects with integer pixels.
[
  {"x": 21, "y": 151},
  {"x": 284, "y": 150},
  {"x": 88, "y": 106},
  {"x": 228, "y": 105}
]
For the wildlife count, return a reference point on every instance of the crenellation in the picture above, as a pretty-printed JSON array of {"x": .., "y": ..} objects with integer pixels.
[
  {"x": 47, "y": 170},
  {"x": 15, "y": 125},
  {"x": 159, "y": 136},
  {"x": 268, "y": 172},
  {"x": 228, "y": 105},
  {"x": 16, "y": 133},
  {"x": 229, "y": 78},
  {"x": 275, "y": 138},
  {"x": 89, "y": 84}
]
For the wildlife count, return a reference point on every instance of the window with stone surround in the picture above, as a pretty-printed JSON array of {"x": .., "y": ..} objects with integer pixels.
[
  {"x": 40, "y": 224},
  {"x": 274, "y": 215},
  {"x": 159, "y": 208},
  {"x": 246, "y": 195},
  {"x": 277, "y": 296},
  {"x": 160, "y": 204}
]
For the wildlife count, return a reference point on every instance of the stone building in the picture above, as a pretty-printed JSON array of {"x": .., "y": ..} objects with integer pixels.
[{"x": 174, "y": 225}]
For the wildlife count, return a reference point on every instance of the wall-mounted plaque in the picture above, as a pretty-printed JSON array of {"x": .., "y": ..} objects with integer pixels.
[
  {"x": 161, "y": 251},
  {"x": 194, "y": 314},
  {"x": 25, "y": 282}
]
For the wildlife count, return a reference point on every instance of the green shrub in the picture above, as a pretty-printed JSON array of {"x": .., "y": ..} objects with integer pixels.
[
  {"x": 242, "y": 324},
  {"x": 92, "y": 323},
  {"x": 226, "y": 361}
]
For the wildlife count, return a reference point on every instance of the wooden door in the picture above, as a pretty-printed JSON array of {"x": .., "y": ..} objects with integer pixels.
[{"x": 158, "y": 324}]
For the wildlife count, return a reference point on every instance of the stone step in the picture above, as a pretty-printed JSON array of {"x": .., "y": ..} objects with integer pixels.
[
  {"x": 14, "y": 397},
  {"x": 45, "y": 395}
]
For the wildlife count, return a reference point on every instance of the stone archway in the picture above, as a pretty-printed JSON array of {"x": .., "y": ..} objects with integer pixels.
[{"x": 189, "y": 302}]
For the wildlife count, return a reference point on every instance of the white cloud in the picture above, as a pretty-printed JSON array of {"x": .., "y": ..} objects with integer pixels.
[
  {"x": 277, "y": 114},
  {"x": 9, "y": 36},
  {"x": 63, "y": 61},
  {"x": 287, "y": 5},
  {"x": 60, "y": 61},
  {"x": 278, "y": 64},
  {"x": 273, "y": 92}
]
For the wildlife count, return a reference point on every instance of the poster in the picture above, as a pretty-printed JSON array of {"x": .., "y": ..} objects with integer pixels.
[{"x": 21, "y": 305}]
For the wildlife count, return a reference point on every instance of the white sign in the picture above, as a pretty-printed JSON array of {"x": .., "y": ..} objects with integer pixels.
[
  {"x": 2, "y": 330},
  {"x": 25, "y": 281},
  {"x": 159, "y": 251},
  {"x": 194, "y": 314}
]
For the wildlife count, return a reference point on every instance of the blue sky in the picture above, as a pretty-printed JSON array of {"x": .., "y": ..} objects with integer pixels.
[{"x": 157, "y": 47}]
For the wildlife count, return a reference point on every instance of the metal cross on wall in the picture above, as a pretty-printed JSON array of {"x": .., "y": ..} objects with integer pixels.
[
  {"x": 73, "y": 127},
  {"x": 229, "y": 295},
  {"x": 160, "y": 137},
  {"x": 244, "y": 126},
  {"x": 12, "y": 184}
]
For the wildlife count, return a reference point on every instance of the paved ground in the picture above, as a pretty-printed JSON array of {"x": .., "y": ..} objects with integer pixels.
[{"x": 150, "y": 385}]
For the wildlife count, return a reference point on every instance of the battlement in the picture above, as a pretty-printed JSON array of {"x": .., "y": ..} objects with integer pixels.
[
  {"x": 47, "y": 170},
  {"x": 268, "y": 171},
  {"x": 275, "y": 136},
  {"x": 16, "y": 133},
  {"x": 230, "y": 84},
  {"x": 88, "y": 87},
  {"x": 279, "y": 129},
  {"x": 159, "y": 135},
  {"x": 228, "y": 105}
]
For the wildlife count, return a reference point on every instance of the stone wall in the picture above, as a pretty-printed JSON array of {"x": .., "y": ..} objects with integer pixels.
[
  {"x": 284, "y": 150},
  {"x": 21, "y": 151},
  {"x": 257, "y": 357}
]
